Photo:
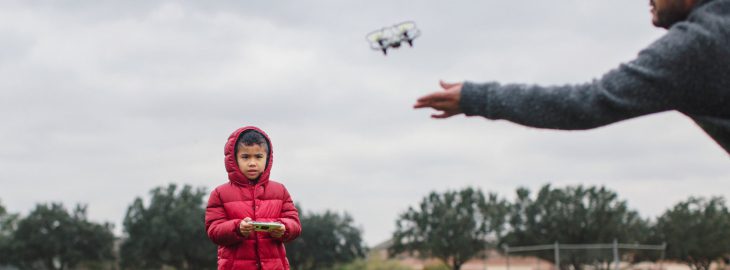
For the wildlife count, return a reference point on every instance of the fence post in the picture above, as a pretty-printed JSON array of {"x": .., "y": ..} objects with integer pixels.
[
  {"x": 615, "y": 254},
  {"x": 661, "y": 260},
  {"x": 506, "y": 250},
  {"x": 557, "y": 256}
]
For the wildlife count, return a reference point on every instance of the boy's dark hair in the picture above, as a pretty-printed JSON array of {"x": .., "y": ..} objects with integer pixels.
[{"x": 251, "y": 137}]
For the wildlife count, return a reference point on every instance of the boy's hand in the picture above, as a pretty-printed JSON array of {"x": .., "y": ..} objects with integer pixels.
[
  {"x": 245, "y": 227},
  {"x": 278, "y": 232}
]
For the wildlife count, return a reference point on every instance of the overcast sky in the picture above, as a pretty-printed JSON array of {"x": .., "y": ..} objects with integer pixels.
[{"x": 101, "y": 101}]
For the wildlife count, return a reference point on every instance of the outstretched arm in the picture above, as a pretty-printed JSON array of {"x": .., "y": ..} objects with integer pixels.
[{"x": 665, "y": 76}]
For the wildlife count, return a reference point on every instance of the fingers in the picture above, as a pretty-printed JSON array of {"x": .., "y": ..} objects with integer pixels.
[
  {"x": 441, "y": 100},
  {"x": 446, "y": 107},
  {"x": 245, "y": 224},
  {"x": 432, "y": 100},
  {"x": 441, "y": 105},
  {"x": 245, "y": 228},
  {"x": 446, "y": 85},
  {"x": 447, "y": 101},
  {"x": 278, "y": 232},
  {"x": 435, "y": 96}
]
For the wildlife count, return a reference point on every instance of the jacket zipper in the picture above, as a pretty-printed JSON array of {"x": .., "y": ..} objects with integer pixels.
[{"x": 255, "y": 236}]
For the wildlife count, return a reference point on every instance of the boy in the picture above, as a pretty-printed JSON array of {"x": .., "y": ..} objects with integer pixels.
[{"x": 250, "y": 196}]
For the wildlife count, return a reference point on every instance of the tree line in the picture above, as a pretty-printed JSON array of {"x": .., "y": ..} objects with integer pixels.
[
  {"x": 455, "y": 226},
  {"x": 167, "y": 232}
]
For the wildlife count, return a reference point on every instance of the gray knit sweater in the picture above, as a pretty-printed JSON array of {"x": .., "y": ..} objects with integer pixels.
[{"x": 687, "y": 70}]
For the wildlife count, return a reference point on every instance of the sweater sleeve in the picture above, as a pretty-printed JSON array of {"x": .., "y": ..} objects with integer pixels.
[
  {"x": 290, "y": 218},
  {"x": 220, "y": 229},
  {"x": 665, "y": 76}
]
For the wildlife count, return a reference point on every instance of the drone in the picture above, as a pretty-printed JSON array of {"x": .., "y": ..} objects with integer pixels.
[{"x": 393, "y": 36}]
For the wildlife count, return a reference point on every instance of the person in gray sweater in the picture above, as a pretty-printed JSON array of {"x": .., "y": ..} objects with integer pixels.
[{"x": 687, "y": 70}]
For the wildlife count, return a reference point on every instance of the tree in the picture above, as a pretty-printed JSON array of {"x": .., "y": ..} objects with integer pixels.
[
  {"x": 328, "y": 239},
  {"x": 697, "y": 231},
  {"x": 495, "y": 212},
  {"x": 451, "y": 227},
  {"x": 51, "y": 238},
  {"x": 8, "y": 225},
  {"x": 169, "y": 232},
  {"x": 573, "y": 215}
]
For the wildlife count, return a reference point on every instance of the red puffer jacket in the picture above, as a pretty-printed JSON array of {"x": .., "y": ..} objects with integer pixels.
[{"x": 264, "y": 201}]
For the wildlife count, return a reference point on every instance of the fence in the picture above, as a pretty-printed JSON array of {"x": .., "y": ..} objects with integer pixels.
[{"x": 615, "y": 246}]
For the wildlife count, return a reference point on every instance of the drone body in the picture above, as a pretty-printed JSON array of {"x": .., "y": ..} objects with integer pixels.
[{"x": 393, "y": 36}]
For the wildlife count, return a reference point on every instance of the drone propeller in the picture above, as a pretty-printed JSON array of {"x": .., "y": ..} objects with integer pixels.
[
  {"x": 409, "y": 31},
  {"x": 375, "y": 36},
  {"x": 406, "y": 26}
]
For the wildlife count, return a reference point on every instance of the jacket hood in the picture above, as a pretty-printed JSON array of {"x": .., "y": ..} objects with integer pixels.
[{"x": 234, "y": 174}]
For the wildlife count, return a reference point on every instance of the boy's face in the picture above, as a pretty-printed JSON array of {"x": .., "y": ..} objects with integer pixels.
[{"x": 251, "y": 160}]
